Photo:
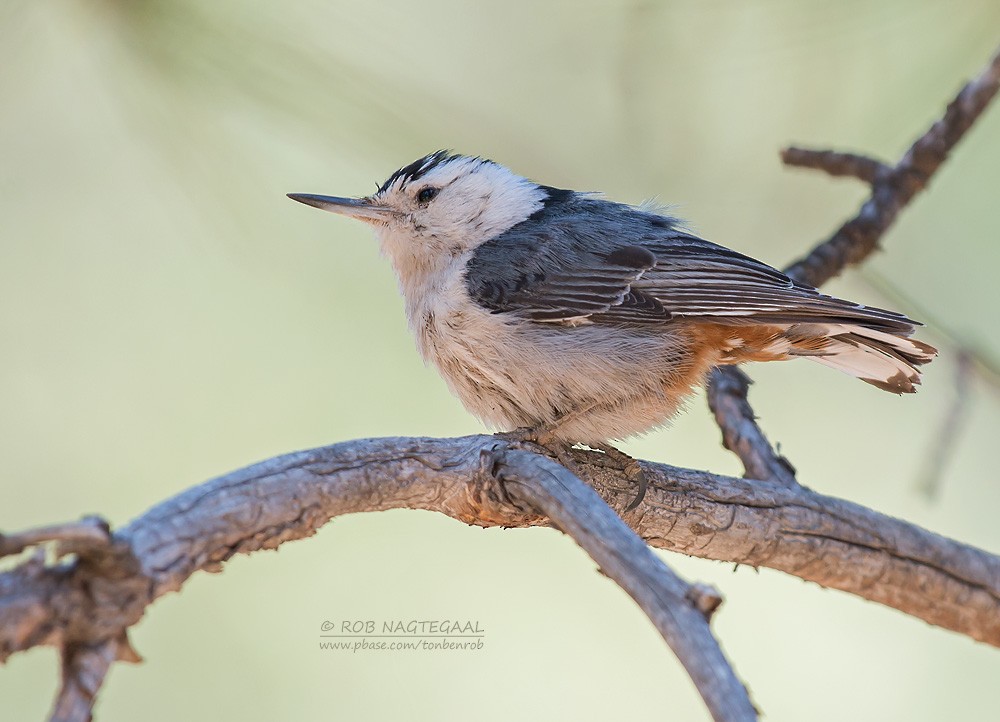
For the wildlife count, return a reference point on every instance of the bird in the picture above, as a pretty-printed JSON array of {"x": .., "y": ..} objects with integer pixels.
[{"x": 564, "y": 318}]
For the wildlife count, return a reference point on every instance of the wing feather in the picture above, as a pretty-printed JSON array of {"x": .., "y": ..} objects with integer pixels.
[{"x": 582, "y": 258}]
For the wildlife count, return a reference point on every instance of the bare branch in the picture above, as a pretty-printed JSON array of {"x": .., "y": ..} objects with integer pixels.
[
  {"x": 741, "y": 434},
  {"x": 85, "y": 606},
  {"x": 830, "y": 541},
  {"x": 678, "y": 610},
  {"x": 892, "y": 189},
  {"x": 759, "y": 523},
  {"x": 83, "y": 670},
  {"x": 90, "y": 533},
  {"x": 836, "y": 163}
]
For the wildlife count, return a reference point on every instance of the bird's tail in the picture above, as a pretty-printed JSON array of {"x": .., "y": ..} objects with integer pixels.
[{"x": 886, "y": 360}]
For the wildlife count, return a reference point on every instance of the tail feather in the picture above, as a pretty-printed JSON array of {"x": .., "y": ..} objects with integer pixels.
[{"x": 890, "y": 362}]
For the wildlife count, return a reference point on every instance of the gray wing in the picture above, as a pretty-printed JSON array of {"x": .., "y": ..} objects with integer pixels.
[
  {"x": 590, "y": 259},
  {"x": 696, "y": 278},
  {"x": 546, "y": 278}
]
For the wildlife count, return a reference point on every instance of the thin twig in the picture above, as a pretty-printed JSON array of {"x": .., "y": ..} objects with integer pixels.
[
  {"x": 741, "y": 433},
  {"x": 88, "y": 533},
  {"x": 981, "y": 360},
  {"x": 946, "y": 440},
  {"x": 836, "y": 163},
  {"x": 973, "y": 363}
]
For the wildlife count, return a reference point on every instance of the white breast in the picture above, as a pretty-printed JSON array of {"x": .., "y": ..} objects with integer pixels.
[{"x": 469, "y": 345}]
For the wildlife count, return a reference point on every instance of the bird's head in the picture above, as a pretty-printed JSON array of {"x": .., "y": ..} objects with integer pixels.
[{"x": 438, "y": 207}]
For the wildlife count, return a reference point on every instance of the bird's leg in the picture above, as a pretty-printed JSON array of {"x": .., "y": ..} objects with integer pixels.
[
  {"x": 631, "y": 468},
  {"x": 545, "y": 436}
]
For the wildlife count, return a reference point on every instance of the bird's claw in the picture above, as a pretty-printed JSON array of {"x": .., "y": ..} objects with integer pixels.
[
  {"x": 632, "y": 469},
  {"x": 545, "y": 439}
]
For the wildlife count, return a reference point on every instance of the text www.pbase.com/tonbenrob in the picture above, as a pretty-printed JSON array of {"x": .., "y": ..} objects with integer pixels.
[{"x": 408, "y": 645}]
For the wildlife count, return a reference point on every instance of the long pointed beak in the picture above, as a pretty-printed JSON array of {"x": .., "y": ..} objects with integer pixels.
[{"x": 361, "y": 208}]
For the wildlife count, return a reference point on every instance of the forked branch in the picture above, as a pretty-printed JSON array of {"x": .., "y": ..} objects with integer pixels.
[{"x": 893, "y": 187}]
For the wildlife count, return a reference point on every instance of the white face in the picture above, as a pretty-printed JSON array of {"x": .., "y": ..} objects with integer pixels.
[
  {"x": 432, "y": 212},
  {"x": 441, "y": 206}
]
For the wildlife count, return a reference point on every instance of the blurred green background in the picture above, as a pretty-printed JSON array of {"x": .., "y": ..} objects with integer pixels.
[{"x": 166, "y": 315}]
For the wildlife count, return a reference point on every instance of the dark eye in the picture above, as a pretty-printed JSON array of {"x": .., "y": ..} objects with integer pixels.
[{"x": 426, "y": 195}]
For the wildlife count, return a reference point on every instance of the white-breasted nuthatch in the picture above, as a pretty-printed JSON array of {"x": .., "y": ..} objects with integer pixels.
[{"x": 586, "y": 320}]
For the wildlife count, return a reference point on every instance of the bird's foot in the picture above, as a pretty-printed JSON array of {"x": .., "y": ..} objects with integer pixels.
[
  {"x": 632, "y": 469},
  {"x": 561, "y": 450},
  {"x": 545, "y": 438}
]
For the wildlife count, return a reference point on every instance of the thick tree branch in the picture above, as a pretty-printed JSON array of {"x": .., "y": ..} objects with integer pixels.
[
  {"x": 893, "y": 187},
  {"x": 676, "y": 608},
  {"x": 84, "y": 606},
  {"x": 83, "y": 670},
  {"x": 79, "y": 603}
]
